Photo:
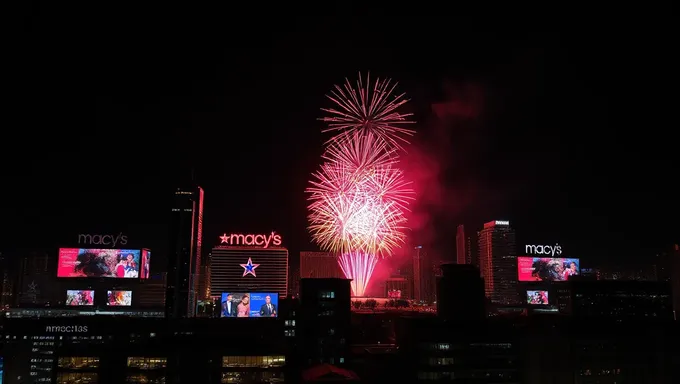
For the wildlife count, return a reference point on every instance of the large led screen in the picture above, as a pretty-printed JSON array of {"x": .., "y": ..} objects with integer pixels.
[
  {"x": 253, "y": 304},
  {"x": 119, "y": 298},
  {"x": 83, "y": 262},
  {"x": 144, "y": 265},
  {"x": 78, "y": 297},
  {"x": 547, "y": 268},
  {"x": 537, "y": 297}
]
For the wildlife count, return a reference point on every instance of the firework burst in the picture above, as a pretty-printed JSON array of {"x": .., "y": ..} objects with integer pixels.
[
  {"x": 366, "y": 107},
  {"x": 357, "y": 204}
]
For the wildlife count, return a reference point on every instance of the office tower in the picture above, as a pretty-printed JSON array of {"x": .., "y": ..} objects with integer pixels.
[
  {"x": 249, "y": 268},
  {"x": 463, "y": 246},
  {"x": 319, "y": 265},
  {"x": 424, "y": 272},
  {"x": 324, "y": 323},
  {"x": 460, "y": 294},
  {"x": 186, "y": 231},
  {"x": 498, "y": 262}
]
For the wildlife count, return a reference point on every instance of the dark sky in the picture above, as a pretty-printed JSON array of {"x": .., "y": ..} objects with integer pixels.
[{"x": 559, "y": 123}]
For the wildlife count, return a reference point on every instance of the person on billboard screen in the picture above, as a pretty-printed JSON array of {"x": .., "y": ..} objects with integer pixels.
[
  {"x": 229, "y": 307},
  {"x": 571, "y": 270},
  {"x": 268, "y": 309},
  {"x": 243, "y": 308}
]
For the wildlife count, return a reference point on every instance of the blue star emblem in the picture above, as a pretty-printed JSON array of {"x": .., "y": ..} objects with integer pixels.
[{"x": 249, "y": 268}]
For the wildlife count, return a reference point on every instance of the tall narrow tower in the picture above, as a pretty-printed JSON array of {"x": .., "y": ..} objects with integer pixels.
[
  {"x": 184, "y": 261},
  {"x": 498, "y": 262}
]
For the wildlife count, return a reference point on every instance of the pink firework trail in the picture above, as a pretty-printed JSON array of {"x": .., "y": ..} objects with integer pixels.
[
  {"x": 357, "y": 204},
  {"x": 364, "y": 107},
  {"x": 358, "y": 198}
]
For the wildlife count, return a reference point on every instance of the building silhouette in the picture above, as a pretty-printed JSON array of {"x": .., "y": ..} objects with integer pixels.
[
  {"x": 184, "y": 261},
  {"x": 498, "y": 262}
]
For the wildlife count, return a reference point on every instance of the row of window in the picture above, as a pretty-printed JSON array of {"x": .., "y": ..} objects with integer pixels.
[
  {"x": 252, "y": 377},
  {"x": 253, "y": 361}
]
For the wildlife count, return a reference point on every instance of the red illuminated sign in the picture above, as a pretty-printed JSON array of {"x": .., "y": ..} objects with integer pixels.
[{"x": 263, "y": 241}]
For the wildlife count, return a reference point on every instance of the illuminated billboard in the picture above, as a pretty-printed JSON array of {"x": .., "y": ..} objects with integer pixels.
[
  {"x": 119, "y": 298},
  {"x": 537, "y": 297},
  {"x": 86, "y": 262},
  {"x": 144, "y": 265},
  {"x": 547, "y": 268},
  {"x": 254, "y": 304},
  {"x": 78, "y": 297}
]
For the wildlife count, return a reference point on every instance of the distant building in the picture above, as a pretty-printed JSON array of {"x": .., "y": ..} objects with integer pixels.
[
  {"x": 498, "y": 262},
  {"x": 621, "y": 300},
  {"x": 463, "y": 246},
  {"x": 186, "y": 232},
  {"x": 324, "y": 324},
  {"x": 424, "y": 276}
]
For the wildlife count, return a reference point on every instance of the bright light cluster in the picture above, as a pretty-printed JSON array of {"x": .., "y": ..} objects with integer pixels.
[{"x": 358, "y": 198}]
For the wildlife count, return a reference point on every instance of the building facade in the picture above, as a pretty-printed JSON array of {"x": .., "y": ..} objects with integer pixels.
[
  {"x": 184, "y": 256},
  {"x": 246, "y": 268},
  {"x": 498, "y": 262}
]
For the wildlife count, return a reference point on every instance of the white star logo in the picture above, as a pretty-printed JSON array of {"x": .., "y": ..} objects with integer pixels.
[
  {"x": 225, "y": 239},
  {"x": 249, "y": 268},
  {"x": 33, "y": 286}
]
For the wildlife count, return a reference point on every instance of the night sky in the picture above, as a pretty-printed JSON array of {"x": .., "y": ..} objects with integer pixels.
[{"x": 559, "y": 124}]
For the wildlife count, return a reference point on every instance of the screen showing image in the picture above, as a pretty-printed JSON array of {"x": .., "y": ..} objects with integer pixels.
[
  {"x": 144, "y": 265},
  {"x": 537, "y": 297},
  {"x": 2, "y": 368},
  {"x": 82, "y": 262},
  {"x": 76, "y": 297},
  {"x": 123, "y": 298},
  {"x": 547, "y": 268},
  {"x": 249, "y": 304}
]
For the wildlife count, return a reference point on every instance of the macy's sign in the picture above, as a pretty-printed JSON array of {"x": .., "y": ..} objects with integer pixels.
[
  {"x": 109, "y": 240},
  {"x": 551, "y": 250},
  {"x": 263, "y": 241}
]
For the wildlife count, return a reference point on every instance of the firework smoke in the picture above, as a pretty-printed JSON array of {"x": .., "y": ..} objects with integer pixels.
[{"x": 358, "y": 198}]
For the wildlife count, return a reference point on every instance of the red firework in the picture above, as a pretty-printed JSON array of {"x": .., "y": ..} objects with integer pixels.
[
  {"x": 367, "y": 108},
  {"x": 357, "y": 205}
]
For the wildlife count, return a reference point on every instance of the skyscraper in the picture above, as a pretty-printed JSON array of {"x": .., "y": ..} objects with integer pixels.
[
  {"x": 462, "y": 246},
  {"x": 498, "y": 262},
  {"x": 184, "y": 261},
  {"x": 424, "y": 275}
]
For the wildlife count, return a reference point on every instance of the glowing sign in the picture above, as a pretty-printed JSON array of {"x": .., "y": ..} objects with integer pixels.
[
  {"x": 249, "y": 268},
  {"x": 111, "y": 240},
  {"x": 502, "y": 222},
  {"x": 263, "y": 241},
  {"x": 551, "y": 250}
]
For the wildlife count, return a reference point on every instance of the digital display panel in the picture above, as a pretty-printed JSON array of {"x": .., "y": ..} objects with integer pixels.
[
  {"x": 249, "y": 304},
  {"x": 2, "y": 368},
  {"x": 79, "y": 297},
  {"x": 89, "y": 262},
  {"x": 119, "y": 298},
  {"x": 537, "y": 297},
  {"x": 547, "y": 268},
  {"x": 144, "y": 265}
]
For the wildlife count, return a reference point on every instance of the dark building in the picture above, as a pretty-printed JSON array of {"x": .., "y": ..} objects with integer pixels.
[
  {"x": 125, "y": 350},
  {"x": 621, "y": 300},
  {"x": 425, "y": 271},
  {"x": 433, "y": 349},
  {"x": 460, "y": 294},
  {"x": 184, "y": 256},
  {"x": 498, "y": 262},
  {"x": 463, "y": 246},
  {"x": 324, "y": 324}
]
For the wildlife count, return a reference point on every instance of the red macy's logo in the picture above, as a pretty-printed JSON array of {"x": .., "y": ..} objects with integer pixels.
[{"x": 258, "y": 240}]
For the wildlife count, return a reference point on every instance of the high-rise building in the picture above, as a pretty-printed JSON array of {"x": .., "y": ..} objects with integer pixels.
[
  {"x": 498, "y": 262},
  {"x": 463, "y": 246},
  {"x": 186, "y": 231},
  {"x": 424, "y": 275}
]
